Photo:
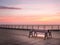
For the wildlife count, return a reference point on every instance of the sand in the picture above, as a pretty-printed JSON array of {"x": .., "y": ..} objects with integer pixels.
[{"x": 20, "y": 37}]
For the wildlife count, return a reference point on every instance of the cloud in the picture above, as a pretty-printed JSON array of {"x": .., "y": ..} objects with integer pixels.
[{"x": 5, "y": 7}]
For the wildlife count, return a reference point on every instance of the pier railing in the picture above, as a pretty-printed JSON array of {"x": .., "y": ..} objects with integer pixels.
[{"x": 39, "y": 27}]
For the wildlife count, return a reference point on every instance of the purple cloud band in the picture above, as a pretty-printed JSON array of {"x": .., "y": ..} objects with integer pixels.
[{"x": 4, "y": 7}]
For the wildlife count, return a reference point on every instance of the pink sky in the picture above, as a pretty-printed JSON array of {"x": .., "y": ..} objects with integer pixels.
[{"x": 30, "y": 12}]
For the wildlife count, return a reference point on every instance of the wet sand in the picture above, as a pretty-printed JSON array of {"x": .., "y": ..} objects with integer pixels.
[{"x": 20, "y": 37}]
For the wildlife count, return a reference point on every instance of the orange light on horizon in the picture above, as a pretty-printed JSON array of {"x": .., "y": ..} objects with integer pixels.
[{"x": 31, "y": 19}]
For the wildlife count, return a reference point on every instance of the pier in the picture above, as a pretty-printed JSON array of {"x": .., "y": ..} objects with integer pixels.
[{"x": 33, "y": 29}]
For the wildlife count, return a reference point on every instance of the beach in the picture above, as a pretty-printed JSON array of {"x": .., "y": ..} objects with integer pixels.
[{"x": 20, "y": 37}]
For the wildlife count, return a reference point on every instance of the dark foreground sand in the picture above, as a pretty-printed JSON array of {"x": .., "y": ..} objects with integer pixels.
[{"x": 19, "y": 37}]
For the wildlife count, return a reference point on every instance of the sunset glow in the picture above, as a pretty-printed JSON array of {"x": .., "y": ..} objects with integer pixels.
[{"x": 30, "y": 12}]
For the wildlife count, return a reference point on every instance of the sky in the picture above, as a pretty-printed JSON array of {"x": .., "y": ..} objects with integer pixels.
[{"x": 29, "y": 11}]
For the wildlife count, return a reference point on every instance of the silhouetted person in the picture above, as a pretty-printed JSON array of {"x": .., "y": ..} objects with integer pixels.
[
  {"x": 30, "y": 33},
  {"x": 46, "y": 35},
  {"x": 35, "y": 34},
  {"x": 49, "y": 34}
]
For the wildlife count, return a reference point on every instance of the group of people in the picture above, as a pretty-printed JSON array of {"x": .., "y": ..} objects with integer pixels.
[{"x": 47, "y": 34}]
